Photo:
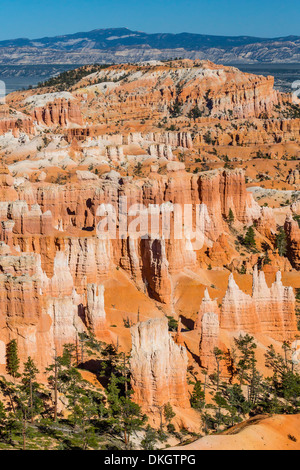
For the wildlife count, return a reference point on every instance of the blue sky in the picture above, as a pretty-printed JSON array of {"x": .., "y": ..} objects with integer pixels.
[{"x": 38, "y": 18}]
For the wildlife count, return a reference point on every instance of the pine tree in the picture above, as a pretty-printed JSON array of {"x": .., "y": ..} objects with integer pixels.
[
  {"x": 84, "y": 413},
  {"x": 12, "y": 359},
  {"x": 169, "y": 415},
  {"x": 249, "y": 238},
  {"x": 62, "y": 373},
  {"x": 131, "y": 418},
  {"x": 3, "y": 422},
  {"x": 281, "y": 242},
  {"x": 31, "y": 387},
  {"x": 218, "y": 353},
  {"x": 125, "y": 415},
  {"x": 285, "y": 382},
  {"x": 194, "y": 113},
  {"x": 246, "y": 348},
  {"x": 230, "y": 217},
  {"x": 198, "y": 397},
  {"x": 150, "y": 438}
]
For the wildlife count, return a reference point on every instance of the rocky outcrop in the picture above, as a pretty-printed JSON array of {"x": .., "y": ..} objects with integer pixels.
[
  {"x": 60, "y": 112},
  {"x": 216, "y": 91},
  {"x": 275, "y": 307},
  {"x": 7, "y": 190},
  {"x": 293, "y": 177},
  {"x": 207, "y": 306},
  {"x": 161, "y": 151},
  {"x": 155, "y": 270},
  {"x": 221, "y": 253},
  {"x": 209, "y": 340},
  {"x": 15, "y": 122},
  {"x": 42, "y": 313},
  {"x": 292, "y": 231},
  {"x": 238, "y": 310},
  {"x": 270, "y": 311},
  {"x": 158, "y": 366},
  {"x": 95, "y": 311},
  {"x": 266, "y": 224}
]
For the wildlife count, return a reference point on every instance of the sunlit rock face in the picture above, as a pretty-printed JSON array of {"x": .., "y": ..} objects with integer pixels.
[
  {"x": 209, "y": 340},
  {"x": 15, "y": 122},
  {"x": 113, "y": 135},
  {"x": 58, "y": 224},
  {"x": 207, "y": 306},
  {"x": 158, "y": 366},
  {"x": 95, "y": 308},
  {"x": 270, "y": 311},
  {"x": 292, "y": 230},
  {"x": 59, "y": 112}
]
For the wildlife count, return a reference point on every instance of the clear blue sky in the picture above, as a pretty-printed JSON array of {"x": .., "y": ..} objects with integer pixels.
[{"x": 38, "y": 18}]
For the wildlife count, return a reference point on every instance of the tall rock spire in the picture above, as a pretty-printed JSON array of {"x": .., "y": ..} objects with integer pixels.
[{"x": 158, "y": 366}]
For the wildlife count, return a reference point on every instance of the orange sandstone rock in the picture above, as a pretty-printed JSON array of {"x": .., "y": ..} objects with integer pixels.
[{"x": 158, "y": 366}]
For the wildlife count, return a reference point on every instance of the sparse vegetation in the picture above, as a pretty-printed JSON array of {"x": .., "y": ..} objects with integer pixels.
[{"x": 65, "y": 80}]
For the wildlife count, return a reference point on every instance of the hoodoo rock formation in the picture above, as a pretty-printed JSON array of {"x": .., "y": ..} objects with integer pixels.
[
  {"x": 14, "y": 122},
  {"x": 292, "y": 230},
  {"x": 238, "y": 310},
  {"x": 128, "y": 196},
  {"x": 209, "y": 340},
  {"x": 158, "y": 366},
  {"x": 217, "y": 88},
  {"x": 48, "y": 219},
  {"x": 95, "y": 311},
  {"x": 269, "y": 310},
  {"x": 207, "y": 306},
  {"x": 60, "y": 112}
]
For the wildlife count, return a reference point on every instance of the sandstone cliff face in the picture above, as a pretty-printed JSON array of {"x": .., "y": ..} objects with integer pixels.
[
  {"x": 158, "y": 366},
  {"x": 44, "y": 313},
  {"x": 254, "y": 132},
  {"x": 95, "y": 311},
  {"x": 269, "y": 310},
  {"x": 216, "y": 90},
  {"x": 293, "y": 177},
  {"x": 14, "y": 122},
  {"x": 221, "y": 253},
  {"x": 209, "y": 340},
  {"x": 21, "y": 305},
  {"x": 60, "y": 112},
  {"x": 43, "y": 209},
  {"x": 7, "y": 191},
  {"x": 292, "y": 230},
  {"x": 266, "y": 224},
  {"x": 275, "y": 307},
  {"x": 58, "y": 223},
  {"x": 207, "y": 306},
  {"x": 71, "y": 154},
  {"x": 238, "y": 310},
  {"x": 155, "y": 270}
]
